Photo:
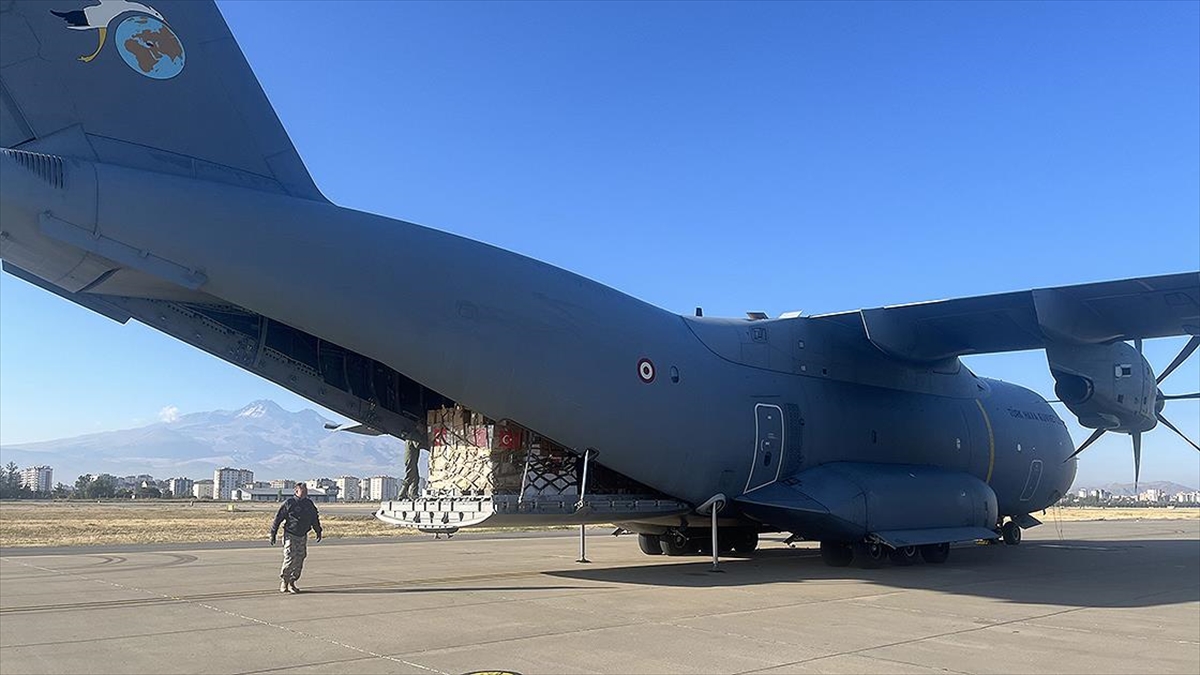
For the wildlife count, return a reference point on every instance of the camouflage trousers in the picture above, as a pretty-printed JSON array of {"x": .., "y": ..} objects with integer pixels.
[{"x": 295, "y": 549}]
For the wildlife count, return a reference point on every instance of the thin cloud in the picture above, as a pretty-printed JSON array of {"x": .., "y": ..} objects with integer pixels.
[{"x": 168, "y": 414}]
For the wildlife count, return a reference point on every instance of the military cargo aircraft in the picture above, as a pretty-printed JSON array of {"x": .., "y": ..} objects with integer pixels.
[{"x": 145, "y": 175}]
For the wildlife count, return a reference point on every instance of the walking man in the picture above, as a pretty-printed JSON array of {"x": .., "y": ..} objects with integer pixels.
[{"x": 298, "y": 515}]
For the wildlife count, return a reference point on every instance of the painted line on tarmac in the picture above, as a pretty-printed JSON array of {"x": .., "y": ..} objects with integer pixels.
[{"x": 236, "y": 615}]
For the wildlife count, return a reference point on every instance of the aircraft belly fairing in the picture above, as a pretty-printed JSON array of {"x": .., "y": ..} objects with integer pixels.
[{"x": 852, "y": 501}]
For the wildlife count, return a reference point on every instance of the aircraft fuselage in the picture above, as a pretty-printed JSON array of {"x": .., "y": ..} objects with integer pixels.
[{"x": 688, "y": 406}]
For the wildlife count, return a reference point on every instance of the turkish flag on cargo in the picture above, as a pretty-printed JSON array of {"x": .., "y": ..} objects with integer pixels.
[
  {"x": 508, "y": 438},
  {"x": 439, "y": 436},
  {"x": 480, "y": 434}
]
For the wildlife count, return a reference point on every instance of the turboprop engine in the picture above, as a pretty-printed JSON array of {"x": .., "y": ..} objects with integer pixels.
[{"x": 1107, "y": 386}]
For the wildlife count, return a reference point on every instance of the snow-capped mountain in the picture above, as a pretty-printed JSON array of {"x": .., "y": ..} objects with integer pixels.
[{"x": 261, "y": 436}]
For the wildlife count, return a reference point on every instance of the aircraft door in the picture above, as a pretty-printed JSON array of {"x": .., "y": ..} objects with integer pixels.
[
  {"x": 769, "y": 446},
  {"x": 1033, "y": 481}
]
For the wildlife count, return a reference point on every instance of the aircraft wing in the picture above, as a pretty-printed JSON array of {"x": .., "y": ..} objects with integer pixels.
[{"x": 1126, "y": 309}]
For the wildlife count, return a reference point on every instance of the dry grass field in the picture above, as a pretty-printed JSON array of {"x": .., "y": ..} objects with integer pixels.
[
  {"x": 81, "y": 523},
  {"x": 1119, "y": 513}
]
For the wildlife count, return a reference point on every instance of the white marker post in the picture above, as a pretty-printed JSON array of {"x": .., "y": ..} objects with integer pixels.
[{"x": 712, "y": 507}]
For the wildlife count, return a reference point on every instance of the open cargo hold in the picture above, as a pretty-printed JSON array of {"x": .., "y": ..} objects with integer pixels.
[{"x": 482, "y": 471}]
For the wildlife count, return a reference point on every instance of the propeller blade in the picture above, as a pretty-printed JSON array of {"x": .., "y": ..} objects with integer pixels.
[
  {"x": 1176, "y": 397},
  {"x": 1137, "y": 343},
  {"x": 1137, "y": 458},
  {"x": 1180, "y": 358},
  {"x": 1091, "y": 439},
  {"x": 1181, "y": 434}
]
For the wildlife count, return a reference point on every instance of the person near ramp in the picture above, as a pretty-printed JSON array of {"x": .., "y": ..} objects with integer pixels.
[{"x": 298, "y": 515}]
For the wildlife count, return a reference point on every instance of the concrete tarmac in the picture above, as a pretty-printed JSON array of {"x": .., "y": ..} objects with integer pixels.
[{"x": 1083, "y": 597}]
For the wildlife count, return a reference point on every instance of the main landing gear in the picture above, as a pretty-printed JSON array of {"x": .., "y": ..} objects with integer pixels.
[
  {"x": 696, "y": 541},
  {"x": 874, "y": 554},
  {"x": 649, "y": 544}
]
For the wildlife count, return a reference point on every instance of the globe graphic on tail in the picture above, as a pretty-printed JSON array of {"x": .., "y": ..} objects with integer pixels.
[{"x": 149, "y": 47}]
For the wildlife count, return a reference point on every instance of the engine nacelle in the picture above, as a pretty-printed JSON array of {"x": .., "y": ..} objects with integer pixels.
[{"x": 1109, "y": 386}]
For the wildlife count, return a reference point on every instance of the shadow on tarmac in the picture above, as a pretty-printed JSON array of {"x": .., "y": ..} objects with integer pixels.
[
  {"x": 1138, "y": 573},
  {"x": 383, "y": 590}
]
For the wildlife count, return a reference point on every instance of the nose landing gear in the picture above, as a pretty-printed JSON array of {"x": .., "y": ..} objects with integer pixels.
[{"x": 1011, "y": 533}]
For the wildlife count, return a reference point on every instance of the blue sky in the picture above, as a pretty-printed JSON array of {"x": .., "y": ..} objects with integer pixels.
[{"x": 806, "y": 156}]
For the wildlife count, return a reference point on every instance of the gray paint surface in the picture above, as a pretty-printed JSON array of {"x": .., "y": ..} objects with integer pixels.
[{"x": 123, "y": 210}]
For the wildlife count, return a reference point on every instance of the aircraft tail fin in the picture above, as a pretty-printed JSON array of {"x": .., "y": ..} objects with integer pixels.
[{"x": 160, "y": 85}]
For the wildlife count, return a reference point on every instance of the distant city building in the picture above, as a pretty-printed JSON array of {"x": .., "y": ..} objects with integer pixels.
[
  {"x": 349, "y": 488},
  {"x": 202, "y": 489},
  {"x": 132, "y": 483},
  {"x": 283, "y": 484},
  {"x": 37, "y": 478},
  {"x": 1149, "y": 497},
  {"x": 259, "y": 494},
  {"x": 383, "y": 488},
  {"x": 261, "y": 484},
  {"x": 269, "y": 494},
  {"x": 1152, "y": 495},
  {"x": 226, "y": 480},
  {"x": 320, "y": 483},
  {"x": 180, "y": 487}
]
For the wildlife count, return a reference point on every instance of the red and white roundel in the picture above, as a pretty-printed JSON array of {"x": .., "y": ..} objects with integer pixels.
[{"x": 646, "y": 371}]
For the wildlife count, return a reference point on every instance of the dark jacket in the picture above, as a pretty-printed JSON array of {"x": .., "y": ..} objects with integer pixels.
[{"x": 299, "y": 516}]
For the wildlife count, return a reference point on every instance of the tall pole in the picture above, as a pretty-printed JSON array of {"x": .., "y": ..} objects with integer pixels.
[
  {"x": 716, "y": 559},
  {"x": 712, "y": 506},
  {"x": 582, "y": 545},
  {"x": 582, "y": 528},
  {"x": 525, "y": 475}
]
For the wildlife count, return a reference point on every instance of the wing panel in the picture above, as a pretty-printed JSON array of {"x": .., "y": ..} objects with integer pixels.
[{"x": 1125, "y": 309}]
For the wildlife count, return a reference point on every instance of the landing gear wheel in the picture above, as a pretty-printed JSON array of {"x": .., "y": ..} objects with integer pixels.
[
  {"x": 675, "y": 542},
  {"x": 837, "y": 553},
  {"x": 1011, "y": 533},
  {"x": 904, "y": 556},
  {"x": 745, "y": 541},
  {"x": 649, "y": 543},
  {"x": 935, "y": 553},
  {"x": 725, "y": 540},
  {"x": 871, "y": 554}
]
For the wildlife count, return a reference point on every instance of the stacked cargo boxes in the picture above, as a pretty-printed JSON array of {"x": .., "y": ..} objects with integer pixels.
[{"x": 472, "y": 455}]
